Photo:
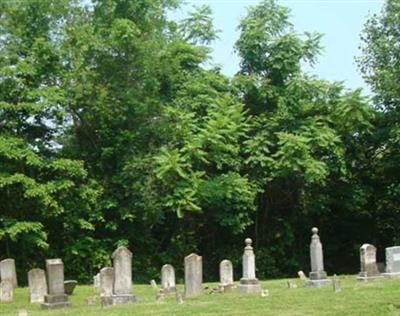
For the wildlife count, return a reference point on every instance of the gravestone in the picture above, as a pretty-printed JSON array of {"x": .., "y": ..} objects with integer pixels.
[
  {"x": 37, "y": 285},
  {"x": 69, "y": 286},
  {"x": 369, "y": 269},
  {"x": 291, "y": 284},
  {"x": 193, "y": 275},
  {"x": 302, "y": 276},
  {"x": 168, "y": 278},
  {"x": 106, "y": 277},
  {"x": 22, "y": 312},
  {"x": 226, "y": 275},
  {"x": 336, "y": 284},
  {"x": 153, "y": 284},
  {"x": 317, "y": 277},
  {"x": 392, "y": 262},
  {"x": 96, "y": 283},
  {"x": 6, "y": 291},
  {"x": 249, "y": 283},
  {"x": 56, "y": 297},
  {"x": 8, "y": 272},
  {"x": 179, "y": 298}
]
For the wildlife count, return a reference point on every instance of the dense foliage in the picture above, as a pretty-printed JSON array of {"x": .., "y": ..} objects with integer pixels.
[{"x": 114, "y": 131}]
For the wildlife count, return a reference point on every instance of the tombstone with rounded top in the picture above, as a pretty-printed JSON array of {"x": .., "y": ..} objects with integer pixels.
[
  {"x": 193, "y": 275},
  {"x": 392, "y": 262},
  {"x": 249, "y": 283},
  {"x": 369, "y": 268},
  {"x": 168, "y": 278},
  {"x": 225, "y": 275},
  {"x": 8, "y": 271},
  {"x": 56, "y": 297},
  {"x": 37, "y": 285},
  {"x": 6, "y": 291}
]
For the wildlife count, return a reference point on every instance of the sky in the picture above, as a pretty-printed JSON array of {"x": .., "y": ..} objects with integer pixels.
[{"x": 341, "y": 22}]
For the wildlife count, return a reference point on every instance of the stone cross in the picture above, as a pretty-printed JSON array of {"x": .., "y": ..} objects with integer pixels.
[
  {"x": 56, "y": 297},
  {"x": 193, "y": 275},
  {"x": 225, "y": 274},
  {"x": 249, "y": 283},
  {"x": 37, "y": 285},
  {"x": 369, "y": 269},
  {"x": 392, "y": 262},
  {"x": 318, "y": 277},
  {"x": 6, "y": 290},
  {"x": 8, "y": 272},
  {"x": 168, "y": 278},
  {"x": 106, "y": 281}
]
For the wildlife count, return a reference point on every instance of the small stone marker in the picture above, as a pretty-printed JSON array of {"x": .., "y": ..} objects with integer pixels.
[
  {"x": 37, "y": 285},
  {"x": 336, "y": 284},
  {"x": 168, "y": 278},
  {"x": 22, "y": 312},
  {"x": 302, "y": 276},
  {"x": 96, "y": 283},
  {"x": 160, "y": 295},
  {"x": 56, "y": 297},
  {"x": 91, "y": 301},
  {"x": 249, "y": 283},
  {"x": 193, "y": 275},
  {"x": 291, "y": 284},
  {"x": 106, "y": 283},
  {"x": 225, "y": 275},
  {"x": 8, "y": 272},
  {"x": 154, "y": 285},
  {"x": 179, "y": 298},
  {"x": 69, "y": 286},
  {"x": 318, "y": 277},
  {"x": 369, "y": 269},
  {"x": 6, "y": 291},
  {"x": 392, "y": 262}
]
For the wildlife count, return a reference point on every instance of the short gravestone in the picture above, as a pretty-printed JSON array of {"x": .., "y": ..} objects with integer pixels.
[
  {"x": 291, "y": 284},
  {"x": 69, "y": 286},
  {"x": 249, "y": 283},
  {"x": 226, "y": 275},
  {"x": 336, "y": 284},
  {"x": 37, "y": 285},
  {"x": 168, "y": 278},
  {"x": 392, "y": 262},
  {"x": 369, "y": 269},
  {"x": 8, "y": 271},
  {"x": 6, "y": 291},
  {"x": 193, "y": 275},
  {"x": 318, "y": 277},
  {"x": 153, "y": 284},
  {"x": 302, "y": 276},
  {"x": 56, "y": 297},
  {"x": 96, "y": 283},
  {"x": 106, "y": 277}
]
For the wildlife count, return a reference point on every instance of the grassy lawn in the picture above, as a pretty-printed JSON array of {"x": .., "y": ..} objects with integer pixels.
[{"x": 375, "y": 298}]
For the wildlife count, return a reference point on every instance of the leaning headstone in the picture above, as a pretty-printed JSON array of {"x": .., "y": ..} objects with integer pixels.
[
  {"x": 154, "y": 284},
  {"x": 37, "y": 285},
  {"x": 249, "y": 283},
  {"x": 6, "y": 291},
  {"x": 193, "y": 275},
  {"x": 56, "y": 297},
  {"x": 69, "y": 286},
  {"x": 302, "y": 276},
  {"x": 226, "y": 275},
  {"x": 106, "y": 277},
  {"x": 318, "y": 277},
  {"x": 8, "y": 272},
  {"x": 96, "y": 283},
  {"x": 369, "y": 269},
  {"x": 168, "y": 278},
  {"x": 392, "y": 262}
]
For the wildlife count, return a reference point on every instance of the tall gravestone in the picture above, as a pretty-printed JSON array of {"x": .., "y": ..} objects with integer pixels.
[
  {"x": 193, "y": 275},
  {"x": 168, "y": 278},
  {"x": 6, "y": 291},
  {"x": 225, "y": 275},
  {"x": 369, "y": 269},
  {"x": 8, "y": 271},
  {"x": 392, "y": 262},
  {"x": 56, "y": 297},
  {"x": 318, "y": 277},
  {"x": 37, "y": 285},
  {"x": 249, "y": 283}
]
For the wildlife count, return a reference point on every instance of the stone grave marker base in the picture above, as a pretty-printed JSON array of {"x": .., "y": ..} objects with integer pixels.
[
  {"x": 390, "y": 275},
  {"x": 318, "y": 283},
  {"x": 55, "y": 301},
  {"x": 118, "y": 299},
  {"x": 249, "y": 286}
]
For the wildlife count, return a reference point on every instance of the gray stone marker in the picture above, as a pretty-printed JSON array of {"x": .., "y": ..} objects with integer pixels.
[
  {"x": 8, "y": 272},
  {"x": 336, "y": 284},
  {"x": 318, "y": 277},
  {"x": 302, "y": 276},
  {"x": 37, "y": 285},
  {"x": 369, "y": 269},
  {"x": 69, "y": 286},
  {"x": 193, "y": 275},
  {"x": 226, "y": 275},
  {"x": 56, "y": 297},
  {"x": 392, "y": 262},
  {"x": 96, "y": 283},
  {"x": 249, "y": 283},
  {"x": 6, "y": 291},
  {"x": 168, "y": 278},
  {"x": 291, "y": 284},
  {"x": 106, "y": 277}
]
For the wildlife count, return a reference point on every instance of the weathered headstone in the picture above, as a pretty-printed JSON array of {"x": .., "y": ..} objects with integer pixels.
[
  {"x": 8, "y": 272},
  {"x": 37, "y": 285},
  {"x": 369, "y": 269},
  {"x": 336, "y": 284},
  {"x": 96, "y": 283},
  {"x": 106, "y": 285},
  {"x": 226, "y": 275},
  {"x": 168, "y": 278},
  {"x": 302, "y": 276},
  {"x": 291, "y": 284},
  {"x": 160, "y": 297},
  {"x": 56, "y": 297},
  {"x": 153, "y": 284},
  {"x": 6, "y": 291},
  {"x": 392, "y": 262},
  {"x": 193, "y": 275},
  {"x": 69, "y": 286},
  {"x": 318, "y": 277},
  {"x": 249, "y": 283},
  {"x": 179, "y": 298}
]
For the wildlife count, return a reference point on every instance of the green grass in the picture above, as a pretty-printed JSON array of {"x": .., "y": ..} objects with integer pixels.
[{"x": 375, "y": 298}]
